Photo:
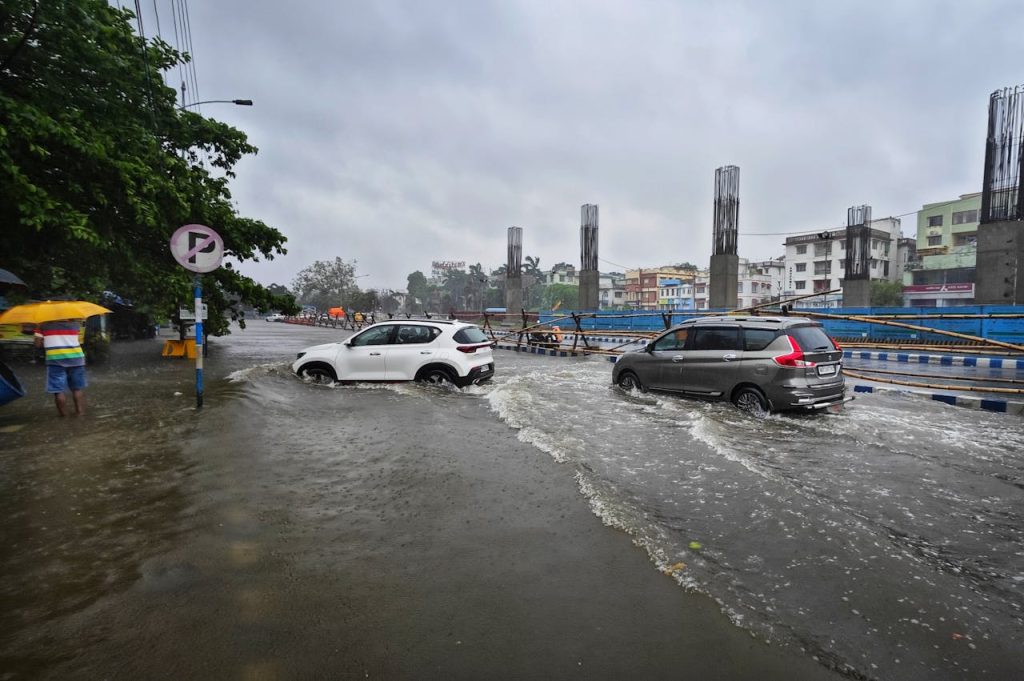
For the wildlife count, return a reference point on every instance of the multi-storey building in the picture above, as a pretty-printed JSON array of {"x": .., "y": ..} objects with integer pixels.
[
  {"x": 760, "y": 282},
  {"x": 757, "y": 283},
  {"x": 642, "y": 284},
  {"x": 675, "y": 294},
  {"x": 562, "y": 273},
  {"x": 611, "y": 292},
  {"x": 944, "y": 271},
  {"x": 816, "y": 261}
]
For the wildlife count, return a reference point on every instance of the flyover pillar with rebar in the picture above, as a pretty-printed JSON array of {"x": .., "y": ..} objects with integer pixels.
[
  {"x": 1000, "y": 256},
  {"x": 725, "y": 263},
  {"x": 514, "y": 271},
  {"x": 590, "y": 277},
  {"x": 857, "y": 274}
]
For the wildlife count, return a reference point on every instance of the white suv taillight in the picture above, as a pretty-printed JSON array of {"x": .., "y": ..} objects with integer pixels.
[
  {"x": 795, "y": 358},
  {"x": 469, "y": 349}
]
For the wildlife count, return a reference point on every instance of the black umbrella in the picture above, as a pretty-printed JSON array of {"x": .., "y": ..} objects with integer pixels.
[{"x": 10, "y": 279}]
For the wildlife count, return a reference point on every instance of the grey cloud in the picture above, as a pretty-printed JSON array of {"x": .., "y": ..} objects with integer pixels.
[{"x": 400, "y": 132}]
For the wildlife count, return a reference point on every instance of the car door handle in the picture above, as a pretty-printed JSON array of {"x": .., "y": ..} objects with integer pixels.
[
  {"x": 728, "y": 358},
  {"x": 374, "y": 354},
  {"x": 425, "y": 352},
  {"x": 677, "y": 358}
]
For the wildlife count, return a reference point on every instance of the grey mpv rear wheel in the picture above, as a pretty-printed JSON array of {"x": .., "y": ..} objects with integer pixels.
[{"x": 752, "y": 401}]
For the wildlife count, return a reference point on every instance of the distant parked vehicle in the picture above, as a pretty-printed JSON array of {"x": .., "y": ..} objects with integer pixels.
[
  {"x": 430, "y": 351},
  {"x": 274, "y": 318},
  {"x": 760, "y": 364}
]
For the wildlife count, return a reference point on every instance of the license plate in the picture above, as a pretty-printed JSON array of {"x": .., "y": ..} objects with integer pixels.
[{"x": 827, "y": 370}]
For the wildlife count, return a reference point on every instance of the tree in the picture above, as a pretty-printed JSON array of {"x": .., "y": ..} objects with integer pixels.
[
  {"x": 886, "y": 293},
  {"x": 279, "y": 290},
  {"x": 418, "y": 290},
  {"x": 478, "y": 284},
  {"x": 458, "y": 287},
  {"x": 326, "y": 284},
  {"x": 362, "y": 301},
  {"x": 565, "y": 295},
  {"x": 98, "y": 167},
  {"x": 388, "y": 300}
]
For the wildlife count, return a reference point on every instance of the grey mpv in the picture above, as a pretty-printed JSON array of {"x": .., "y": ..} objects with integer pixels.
[{"x": 760, "y": 364}]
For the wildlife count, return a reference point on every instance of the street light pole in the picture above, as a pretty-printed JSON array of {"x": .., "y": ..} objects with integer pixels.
[{"x": 237, "y": 102}]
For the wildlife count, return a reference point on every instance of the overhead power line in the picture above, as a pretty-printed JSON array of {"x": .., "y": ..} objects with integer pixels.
[{"x": 804, "y": 231}]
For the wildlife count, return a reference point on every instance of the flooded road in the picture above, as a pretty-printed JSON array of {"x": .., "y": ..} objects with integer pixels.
[{"x": 295, "y": 531}]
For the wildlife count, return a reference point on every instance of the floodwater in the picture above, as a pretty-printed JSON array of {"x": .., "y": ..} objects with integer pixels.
[
  {"x": 883, "y": 542},
  {"x": 886, "y": 541}
]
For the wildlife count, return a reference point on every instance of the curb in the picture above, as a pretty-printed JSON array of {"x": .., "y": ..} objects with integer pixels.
[
  {"x": 534, "y": 350},
  {"x": 983, "y": 404},
  {"x": 946, "y": 360}
]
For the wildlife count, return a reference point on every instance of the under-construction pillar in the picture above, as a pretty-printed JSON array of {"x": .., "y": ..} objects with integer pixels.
[
  {"x": 1000, "y": 258},
  {"x": 590, "y": 277},
  {"x": 857, "y": 274},
  {"x": 514, "y": 271},
  {"x": 725, "y": 263}
]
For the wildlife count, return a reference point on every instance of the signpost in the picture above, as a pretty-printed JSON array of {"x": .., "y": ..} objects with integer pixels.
[{"x": 198, "y": 249}]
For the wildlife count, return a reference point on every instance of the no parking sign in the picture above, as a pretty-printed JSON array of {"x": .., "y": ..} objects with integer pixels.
[{"x": 198, "y": 249}]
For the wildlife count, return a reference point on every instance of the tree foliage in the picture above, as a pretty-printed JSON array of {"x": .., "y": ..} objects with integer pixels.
[
  {"x": 566, "y": 296},
  {"x": 326, "y": 284},
  {"x": 418, "y": 289},
  {"x": 98, "y": 167},
  {"x": 886, "y": 293}
]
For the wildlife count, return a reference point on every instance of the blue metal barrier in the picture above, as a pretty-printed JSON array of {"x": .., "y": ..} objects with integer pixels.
[{"x": 1005, "y": 330}]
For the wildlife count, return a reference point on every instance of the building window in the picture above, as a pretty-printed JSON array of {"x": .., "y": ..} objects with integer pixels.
[
  {"x": 801, "y": 249},
  {"x": 801, "y": 285},
  {"x": 801, "y": 267},
  {"x": 935, "y": 240},
  {"x": 739, "y": 287},
  {"x": 965, "y": 217},
  {"x": 842, "y": 244},
  {"x": 935, "y": 221},
  {"x": 823, "y": 267},
  {"x": 821, "y": 250}
]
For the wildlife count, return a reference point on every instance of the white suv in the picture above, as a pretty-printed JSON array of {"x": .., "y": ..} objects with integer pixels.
[{"x": 432, "y": 351}]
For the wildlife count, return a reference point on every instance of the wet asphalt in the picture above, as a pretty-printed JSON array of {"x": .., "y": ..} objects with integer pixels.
[{"x": 293, "y": 531}]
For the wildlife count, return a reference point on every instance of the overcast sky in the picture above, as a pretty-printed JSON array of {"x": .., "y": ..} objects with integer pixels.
[{"x": 397, "y": 133}]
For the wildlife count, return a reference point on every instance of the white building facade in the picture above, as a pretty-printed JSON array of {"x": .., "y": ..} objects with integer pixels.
[
  {"x": 815, "y": 262},
  {"x": 611, "y": 291}
]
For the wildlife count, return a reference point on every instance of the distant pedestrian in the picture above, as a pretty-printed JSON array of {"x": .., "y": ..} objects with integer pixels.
[{"x": 65, "y": 362}]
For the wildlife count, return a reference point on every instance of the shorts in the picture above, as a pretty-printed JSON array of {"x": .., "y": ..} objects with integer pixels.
[{"x": 59, "y": 379}]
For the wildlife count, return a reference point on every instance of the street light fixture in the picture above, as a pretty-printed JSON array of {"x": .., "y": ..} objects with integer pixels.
[{"x": 237, "y": 102}]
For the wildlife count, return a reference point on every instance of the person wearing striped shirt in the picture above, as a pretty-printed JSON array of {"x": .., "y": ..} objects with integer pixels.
[{"x": 65, "y": 362}]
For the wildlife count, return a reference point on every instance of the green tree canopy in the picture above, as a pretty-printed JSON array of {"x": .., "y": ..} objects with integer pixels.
[
  {"x": 418, "y": 289},
  {"x": 886, "y": 294},
  {"x": 566, "y": 296},
  {"x": 326, "y": 284},
  {"x": 98, "y": 167}
]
